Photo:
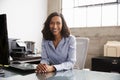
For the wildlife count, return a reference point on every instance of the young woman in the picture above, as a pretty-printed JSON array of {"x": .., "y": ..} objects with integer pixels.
[{"x": 58, "y": 46}]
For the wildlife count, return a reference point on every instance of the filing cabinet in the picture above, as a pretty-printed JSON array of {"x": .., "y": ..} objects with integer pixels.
[{"x": 106, "y": 64}]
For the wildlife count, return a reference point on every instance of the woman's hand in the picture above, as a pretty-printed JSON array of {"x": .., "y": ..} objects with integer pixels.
[{"x": 43, "y": 68}]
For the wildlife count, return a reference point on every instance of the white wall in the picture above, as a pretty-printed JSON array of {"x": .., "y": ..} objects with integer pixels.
[{"x": 25, "y": 19}]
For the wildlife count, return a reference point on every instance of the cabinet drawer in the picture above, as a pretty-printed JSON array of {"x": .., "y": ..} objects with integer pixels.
[{"x": 106, "y": 64}]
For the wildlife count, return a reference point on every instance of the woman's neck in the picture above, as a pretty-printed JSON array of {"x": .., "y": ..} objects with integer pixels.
[{"x": 57, "y": 40}]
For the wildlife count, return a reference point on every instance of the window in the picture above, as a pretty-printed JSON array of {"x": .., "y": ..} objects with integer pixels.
[
  {"x": 92, "y": 2},
  {"x": 119, "y": 14},
  {"x": 91, "y": 13},
  {"x": 109, "y": 15}
]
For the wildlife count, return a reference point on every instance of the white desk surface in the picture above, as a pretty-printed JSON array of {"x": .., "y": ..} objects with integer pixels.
[{"x": 65, "y": 75}]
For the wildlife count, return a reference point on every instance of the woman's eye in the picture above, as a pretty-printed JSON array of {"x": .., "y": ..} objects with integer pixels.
[
  {"x": 58, "y": 23},
  {"x": 51, "y": 22},
  {"x": 55, "y": 23}
]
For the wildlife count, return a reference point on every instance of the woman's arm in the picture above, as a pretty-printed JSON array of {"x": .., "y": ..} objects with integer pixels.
[{"x": 44, "y": 57}]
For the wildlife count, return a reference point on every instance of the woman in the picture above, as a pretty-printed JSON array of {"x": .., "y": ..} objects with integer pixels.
[{"x": 58, "y": 46}]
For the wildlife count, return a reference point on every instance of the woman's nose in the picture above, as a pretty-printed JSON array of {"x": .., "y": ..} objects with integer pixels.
[{"x": 55, "y": 25}]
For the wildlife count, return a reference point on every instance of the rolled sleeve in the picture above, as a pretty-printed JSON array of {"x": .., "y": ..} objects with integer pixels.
[{"x": 64, "y": 66}]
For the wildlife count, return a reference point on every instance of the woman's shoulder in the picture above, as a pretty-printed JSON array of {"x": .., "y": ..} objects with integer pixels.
[
  {"x": 71, "y": 37},
  {"x": 44, "y": 41}
]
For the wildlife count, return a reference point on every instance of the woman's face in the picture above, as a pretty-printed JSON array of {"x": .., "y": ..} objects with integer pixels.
[{"x": 56, "y": 25}]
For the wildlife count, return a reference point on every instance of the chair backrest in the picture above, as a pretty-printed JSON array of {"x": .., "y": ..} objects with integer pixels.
[{"x": 81, "y": 52}]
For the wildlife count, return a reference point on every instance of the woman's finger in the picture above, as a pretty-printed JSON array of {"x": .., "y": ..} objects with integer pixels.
[{"x": 41, "y": 68}]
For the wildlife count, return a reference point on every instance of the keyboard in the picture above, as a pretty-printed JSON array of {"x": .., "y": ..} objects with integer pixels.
[
  {"x": 26, "y": 58},
  {"x": 24, "y": 66}
]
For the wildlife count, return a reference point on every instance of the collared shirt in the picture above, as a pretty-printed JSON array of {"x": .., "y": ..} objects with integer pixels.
[{"x": 63, "y": 57}]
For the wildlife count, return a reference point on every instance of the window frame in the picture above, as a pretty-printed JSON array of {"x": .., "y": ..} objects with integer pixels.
[{"x": 86, "y": 6}]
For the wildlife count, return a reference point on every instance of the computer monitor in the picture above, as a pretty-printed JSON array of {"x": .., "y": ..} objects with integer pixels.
[{"x": 4, "y": 46}]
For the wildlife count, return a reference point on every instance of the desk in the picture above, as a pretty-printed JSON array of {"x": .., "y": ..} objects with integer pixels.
[{"x": 66, "y": 75}]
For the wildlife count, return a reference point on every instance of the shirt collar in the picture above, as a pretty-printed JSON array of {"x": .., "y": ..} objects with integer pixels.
[{"x": 60, "y": 43}]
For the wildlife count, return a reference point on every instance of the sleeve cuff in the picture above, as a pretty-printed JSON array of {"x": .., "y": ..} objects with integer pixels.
[{"x": 58, "y": 67}]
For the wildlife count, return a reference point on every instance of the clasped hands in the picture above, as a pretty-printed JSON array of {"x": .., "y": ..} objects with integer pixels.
[{"x": 43, "y": 68}]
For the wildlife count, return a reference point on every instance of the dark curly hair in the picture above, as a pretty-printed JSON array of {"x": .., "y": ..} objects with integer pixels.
[{"x": 47, "y": 34}]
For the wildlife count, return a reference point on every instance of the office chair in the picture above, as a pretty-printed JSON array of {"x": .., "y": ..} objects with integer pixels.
[{"x": 81, "y": 52}]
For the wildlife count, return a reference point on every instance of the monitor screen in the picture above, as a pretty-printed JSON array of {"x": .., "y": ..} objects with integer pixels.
[{"x": 4, "y": 46}]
